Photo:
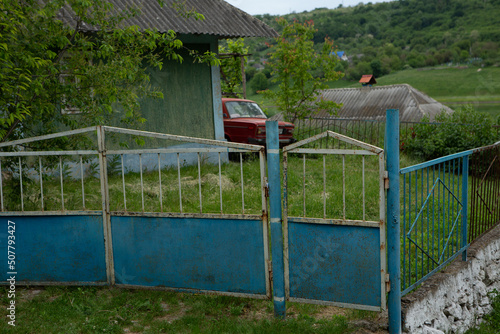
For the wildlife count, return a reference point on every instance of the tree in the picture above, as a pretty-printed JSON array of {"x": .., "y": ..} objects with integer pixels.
[
  {"x": 47, "y": 66},
  {"x": 259, "y": 82},
  {"x": 294, "y": 63},
  {"x": 231, "y": 65}
]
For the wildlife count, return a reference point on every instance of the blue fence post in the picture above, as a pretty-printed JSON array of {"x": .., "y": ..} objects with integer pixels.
[
  {"x": 273, "y": 174},
  {"x": 465, "y": 190},
  {"x": 393, "y": 218}
]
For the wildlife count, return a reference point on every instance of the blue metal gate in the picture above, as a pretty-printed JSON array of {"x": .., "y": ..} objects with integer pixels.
[
  {"x": 149, "y": 237},
  {"x": 335, "y": 242}
]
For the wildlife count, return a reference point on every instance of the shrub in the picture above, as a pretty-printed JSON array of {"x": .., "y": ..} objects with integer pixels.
[
  {"x": 259, "y": 82},
  {"x": 450, "y": 133}
]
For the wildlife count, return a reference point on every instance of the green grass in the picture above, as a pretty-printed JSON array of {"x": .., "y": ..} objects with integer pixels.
[
  {"x": 113, "y": 310},
  {"x": 212, "y": 184}
]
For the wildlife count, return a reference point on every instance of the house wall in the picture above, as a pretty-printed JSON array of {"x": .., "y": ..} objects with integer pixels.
[{"x": 188, "y": 105}]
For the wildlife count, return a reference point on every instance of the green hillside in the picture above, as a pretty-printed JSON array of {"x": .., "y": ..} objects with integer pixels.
[
  {"x": 453, "y": 87},
  {"x": 386, "y": 37},
  {"x": 448, "y": 49}
]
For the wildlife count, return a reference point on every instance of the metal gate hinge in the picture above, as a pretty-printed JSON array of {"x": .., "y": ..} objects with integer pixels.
[
  {"x": 386, "y": 180},
  {"x": 387, "y": 283}
]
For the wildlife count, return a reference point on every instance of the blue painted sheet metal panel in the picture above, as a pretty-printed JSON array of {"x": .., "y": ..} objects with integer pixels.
[
  {"x": 63, "y": 249},
  {"x": 334, "y": 263},
  {"x": 189, "y": 253}
]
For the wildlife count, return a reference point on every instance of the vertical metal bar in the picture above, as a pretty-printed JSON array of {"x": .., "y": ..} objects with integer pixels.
[
  {"x": 409, "y": 228},
  {"x": 324, "y": 186},
  {"x": 416, "y": 225},
  {"x": 304, "y": 185},
  {"x": 439, "y": 212},
  {"x": 41, "y": 182},
  {"x": 61, "y": 178},
  {"x": 473, "y": 198},
  {"x": 458, "y": 179},
  {"x": 364, "y": 201},
  {"x": 452, "y": 214},
  {"x": 393, "y": 226},
  {"x": 428, "y": 222},
  {"x": 199, "y": 182},
  {"x": 142, "y": 181},
  {"x": 445, "y": 220},
  {"x": 382, "y": 228},
  {"x": 272, "y": 139},
  {"x": 265, "y": 219},
  {"x": 343, "y": 185},
  {"x": 450, "y": 219},
  {"x": 123, "y": 183},
  {"x": 1, "y": 186},
  {"x": 220, "y": 185},
  {"x": 83, "y": 183},
  {"x": 106, "y": 214},
  {"x": 465, "y": 177},
  {"x": 422, "y": 229},
  {"x": 490, "y": 193},
  {"x": 433, "y": 214},
  {"x": 242, "y": 186},
  {"x": 285, "y": 225},
  {"x": 179, "y": 179},
  {"x": 159, "y": 180},
  {"x": 21, "y": 184},
  {"x": 404, "y": 233}
]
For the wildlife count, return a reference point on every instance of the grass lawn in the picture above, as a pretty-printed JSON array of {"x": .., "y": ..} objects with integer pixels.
[{"x": 114, "y": 310}]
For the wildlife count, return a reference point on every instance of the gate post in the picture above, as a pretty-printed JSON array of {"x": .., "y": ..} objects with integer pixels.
[
  {"x": 273, "y": 175},
  {"x": 393, "y": 220},
  {"x": 110, "y": 267}
]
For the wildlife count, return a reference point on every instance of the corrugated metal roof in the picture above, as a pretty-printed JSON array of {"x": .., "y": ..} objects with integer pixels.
[
  {"x": 221, "y": 19},
  {"x": 372, "y": 103}
]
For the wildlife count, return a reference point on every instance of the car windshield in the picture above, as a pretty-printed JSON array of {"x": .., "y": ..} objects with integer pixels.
[{"x": 244, "y": 109}]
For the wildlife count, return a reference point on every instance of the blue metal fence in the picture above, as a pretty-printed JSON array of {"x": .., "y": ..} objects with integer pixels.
[{"x": 433, "y": 216}]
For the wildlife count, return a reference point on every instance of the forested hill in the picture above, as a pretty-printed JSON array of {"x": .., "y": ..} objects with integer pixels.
[{"x": 413, "y": 33}]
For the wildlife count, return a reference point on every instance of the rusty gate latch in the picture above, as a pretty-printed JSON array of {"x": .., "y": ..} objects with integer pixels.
[
  {"x": 266, "y": 188},
  {"x": 386, "y": 180}
]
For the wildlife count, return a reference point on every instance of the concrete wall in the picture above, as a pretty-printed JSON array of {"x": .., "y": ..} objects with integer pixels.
[{"x": 456, "y": 299}]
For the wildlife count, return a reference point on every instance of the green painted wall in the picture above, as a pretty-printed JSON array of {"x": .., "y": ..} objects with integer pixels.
[{"x": 187, "y": 106}]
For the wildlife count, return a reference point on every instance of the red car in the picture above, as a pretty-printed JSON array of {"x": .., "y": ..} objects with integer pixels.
[{"x": 245, "y": 122}]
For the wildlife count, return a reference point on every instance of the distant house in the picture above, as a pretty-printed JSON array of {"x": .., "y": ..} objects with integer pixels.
[
  {"x": 371, "y": 103},
  {"x": 341, "y": 55},
  {"x": 192, "y": 92},
  {"x": 368, "y": 80}
]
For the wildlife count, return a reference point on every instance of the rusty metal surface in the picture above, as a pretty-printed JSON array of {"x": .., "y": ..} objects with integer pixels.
[{"x": 484, "y": 173}]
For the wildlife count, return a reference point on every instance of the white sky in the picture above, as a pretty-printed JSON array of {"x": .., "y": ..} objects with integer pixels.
[{"x": 281, "y": 7}]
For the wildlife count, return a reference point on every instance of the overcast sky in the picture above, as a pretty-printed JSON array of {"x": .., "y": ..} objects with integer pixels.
[{"x": 281, "y": 7}]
